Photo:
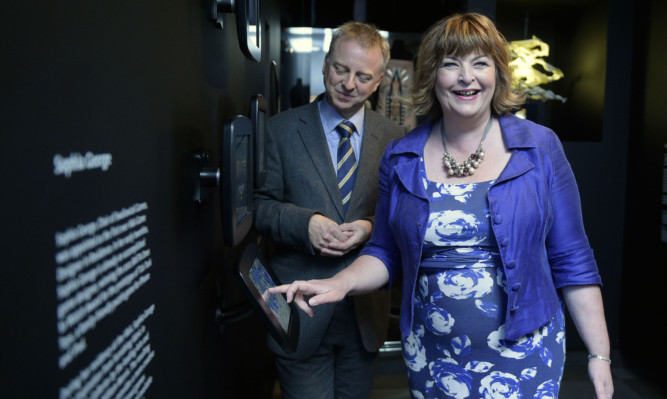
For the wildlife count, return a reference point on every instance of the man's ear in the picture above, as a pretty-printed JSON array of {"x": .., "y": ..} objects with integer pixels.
[
  {"x": 377, "y": 84},
  {"x": 325, "y": 63}
]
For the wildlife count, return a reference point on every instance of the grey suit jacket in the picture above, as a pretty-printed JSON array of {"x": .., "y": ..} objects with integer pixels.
[{"x": 301, "y": 181}]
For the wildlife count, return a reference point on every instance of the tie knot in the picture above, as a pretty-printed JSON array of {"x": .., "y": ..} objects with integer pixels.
[{"x": 345, "y": 128}]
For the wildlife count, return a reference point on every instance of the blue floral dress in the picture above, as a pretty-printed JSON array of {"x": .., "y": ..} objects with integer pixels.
[{"x": 457, "y": 347}]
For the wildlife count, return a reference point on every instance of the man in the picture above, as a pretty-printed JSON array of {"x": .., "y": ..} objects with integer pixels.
[{"x": 318, "y": 205}]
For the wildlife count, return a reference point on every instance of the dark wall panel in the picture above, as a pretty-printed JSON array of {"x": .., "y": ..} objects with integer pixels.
[
  {"x": 112, "y": 273},
  {"x": 646, "y": 239}
]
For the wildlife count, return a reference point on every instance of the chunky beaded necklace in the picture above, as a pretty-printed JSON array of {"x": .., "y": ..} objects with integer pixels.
[{"x": 468, "y": 166}]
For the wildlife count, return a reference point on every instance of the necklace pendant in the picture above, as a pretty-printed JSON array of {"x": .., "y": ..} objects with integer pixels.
[
  {"x": 468, "y": 169},
  {"x": 471, "y": 164}
]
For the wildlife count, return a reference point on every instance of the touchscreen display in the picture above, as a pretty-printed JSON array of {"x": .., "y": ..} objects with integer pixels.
[
  {"x": 242, "y": 189},
  {"x": 276, "y": 302}
]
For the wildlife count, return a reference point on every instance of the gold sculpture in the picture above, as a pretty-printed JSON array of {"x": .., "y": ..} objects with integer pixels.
[{"x": 526, "y": 55}]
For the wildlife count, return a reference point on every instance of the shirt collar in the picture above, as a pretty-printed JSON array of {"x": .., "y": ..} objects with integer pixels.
[{"x": 331, "y": 118}]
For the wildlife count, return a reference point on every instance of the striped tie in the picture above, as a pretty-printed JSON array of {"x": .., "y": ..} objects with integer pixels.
[{"x": 347, "y": 162}]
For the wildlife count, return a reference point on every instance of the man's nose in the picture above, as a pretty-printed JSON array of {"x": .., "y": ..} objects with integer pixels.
[{"x": 348, "y": 83}]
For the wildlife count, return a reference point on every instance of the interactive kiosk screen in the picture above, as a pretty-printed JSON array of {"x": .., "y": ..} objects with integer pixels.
[
  {"x": 278, "y": 316},
  {"x": 236, "y": 179}
]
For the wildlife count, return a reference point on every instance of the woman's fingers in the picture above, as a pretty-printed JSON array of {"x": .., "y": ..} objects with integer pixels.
[
  {"x": 299, "y": 290},
  {"x": 301, "y": 303}
]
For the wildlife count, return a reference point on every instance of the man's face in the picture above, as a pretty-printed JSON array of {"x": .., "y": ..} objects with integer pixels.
[{"x": 351, "y": 74}]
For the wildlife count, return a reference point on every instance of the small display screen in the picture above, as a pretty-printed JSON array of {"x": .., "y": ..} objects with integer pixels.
[
  {"x": 260, "y": 140},
  {"x": 276, "y": 302},
  {"x": 280, "y": 318},
  {"x": 242, "y": 189}
]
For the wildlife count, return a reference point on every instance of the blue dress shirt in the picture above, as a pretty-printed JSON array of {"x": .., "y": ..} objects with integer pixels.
[{"x": 330, "y": 119}]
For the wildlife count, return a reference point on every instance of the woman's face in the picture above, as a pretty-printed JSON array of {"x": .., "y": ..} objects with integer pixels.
[{"x": 465, "y": 85}]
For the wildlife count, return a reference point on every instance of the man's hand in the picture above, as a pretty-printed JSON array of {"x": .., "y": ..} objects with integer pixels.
[
  {"x": 358, "y": 233},
  {"x": 332, "y": 239},
  {"x": 324, "y": 231}
]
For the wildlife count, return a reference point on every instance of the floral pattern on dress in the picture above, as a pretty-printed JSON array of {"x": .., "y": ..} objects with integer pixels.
[{"x": 457, "y": 346}]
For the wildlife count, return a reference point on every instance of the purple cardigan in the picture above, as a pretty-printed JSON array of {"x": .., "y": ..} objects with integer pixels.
[{"x": 535, "y": 214}]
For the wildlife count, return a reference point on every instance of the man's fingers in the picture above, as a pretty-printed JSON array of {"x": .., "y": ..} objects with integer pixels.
[
  {"x": 337, "y": 234},
  {"x": 332, "y": 252}
]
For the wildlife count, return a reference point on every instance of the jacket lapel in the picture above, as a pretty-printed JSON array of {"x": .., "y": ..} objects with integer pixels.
[
  {"x": 370, "y": 153},
  {"x": 407, "y": 169},
  {"x": 314, "y": 140},
  {"x": 518, "y": 138}
]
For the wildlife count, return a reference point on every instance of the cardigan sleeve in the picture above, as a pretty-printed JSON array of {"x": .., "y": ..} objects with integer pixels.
[
  {"x": 570, "y": 255},
  {"x": 382, "y": 244}
]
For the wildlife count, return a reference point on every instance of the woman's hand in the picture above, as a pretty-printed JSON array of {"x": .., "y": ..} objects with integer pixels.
[
  {"x": 322, "y": 291},
  {"x": 584, "y": 303},
  {"x": 599, "y": 371},
  {"x": 364, "y": 275}
]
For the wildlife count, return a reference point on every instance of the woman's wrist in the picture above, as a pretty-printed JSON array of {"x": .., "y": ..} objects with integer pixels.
[{"x": 603, "y": 358}]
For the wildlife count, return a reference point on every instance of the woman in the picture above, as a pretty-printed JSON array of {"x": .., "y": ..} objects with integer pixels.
[{"x": 479, "y": 214}]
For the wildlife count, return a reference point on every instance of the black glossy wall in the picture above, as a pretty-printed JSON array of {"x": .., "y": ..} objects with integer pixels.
[
  {"x": 643, "y": 296},
  {"x": 112, "y": 274}
]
